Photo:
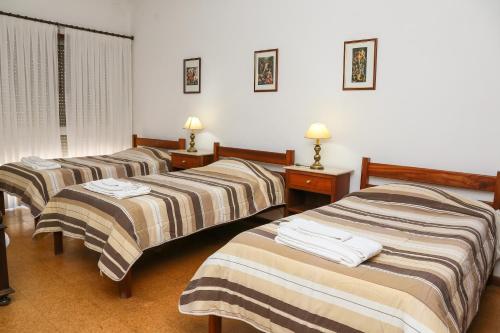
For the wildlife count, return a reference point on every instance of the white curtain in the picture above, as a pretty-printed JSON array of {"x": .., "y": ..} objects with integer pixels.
[
  {"x": 29, "y": 112},
  {"x": 98, "y": 91}
]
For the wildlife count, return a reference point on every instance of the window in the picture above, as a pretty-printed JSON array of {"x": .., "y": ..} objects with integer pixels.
[{"x": 62, "y": 99}]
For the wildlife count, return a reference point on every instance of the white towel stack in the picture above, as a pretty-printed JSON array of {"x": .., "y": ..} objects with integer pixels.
[
  {"x": 37, "y": 163},
  {"x": 330, "y": 243},
  {"x": 117, "y": 188}
]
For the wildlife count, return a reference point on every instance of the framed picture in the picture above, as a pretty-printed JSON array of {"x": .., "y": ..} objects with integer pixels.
[
  {"x": 192, "y": 76},
  {"x": 360, "y": 64},
  {"x": 265, "y": 74}
]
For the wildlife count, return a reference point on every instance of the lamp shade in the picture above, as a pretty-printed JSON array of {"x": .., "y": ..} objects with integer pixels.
[
  {"x": 317, "y": 131},
  {"x": 193, "y": 123}
]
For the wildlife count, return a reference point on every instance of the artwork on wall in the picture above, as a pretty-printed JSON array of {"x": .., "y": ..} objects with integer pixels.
[
  {"x": 192, "y": 76},
  {"x": 360, "y": 64},
  {"x": 265, "y": 70}
]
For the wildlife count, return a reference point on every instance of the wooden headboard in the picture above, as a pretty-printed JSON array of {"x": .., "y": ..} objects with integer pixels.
[
  {"x": 158, "y": 143},
  {"x": 461, "y": 180},
  {"x": 287, "y": 158}
]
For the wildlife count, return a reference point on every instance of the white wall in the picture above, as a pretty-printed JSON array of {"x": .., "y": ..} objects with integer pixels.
[
  {"x": 108, "y": 15},
  {"x": 437, "y": 100},
  {"x": 436, "y": 103}
]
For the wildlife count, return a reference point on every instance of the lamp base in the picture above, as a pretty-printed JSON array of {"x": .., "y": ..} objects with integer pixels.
[
  {"x": 317, "y": 157},
  {"x": 317, "y": 166},
  {"x": 192, "y": 148}
]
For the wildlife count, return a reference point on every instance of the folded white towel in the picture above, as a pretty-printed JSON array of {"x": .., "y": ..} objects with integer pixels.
[
  {"x": 38, "y": 163},
  {"x": 117, "y": 189},
  {"x": 363, "y": 247},
  {"x": 111, "y": 184},
  {"x": 351, "y": 252},
  {"x": 313, "y": 228}
]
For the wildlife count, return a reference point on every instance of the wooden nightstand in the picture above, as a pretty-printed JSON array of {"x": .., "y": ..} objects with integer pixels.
[
  {"x": 307, "y": 189},
  {"x": 182, "y": 159}
]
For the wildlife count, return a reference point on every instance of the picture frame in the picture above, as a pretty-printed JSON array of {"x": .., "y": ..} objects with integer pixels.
[
  {"x": 360, "y": 64},
  {"x": 192, "y": 75},
  {"x": 265, "y": 68}
]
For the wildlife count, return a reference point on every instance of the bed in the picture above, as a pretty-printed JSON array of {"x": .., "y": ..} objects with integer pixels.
[
  {"x": 35, "y": 188},
  {"x": 180, "y": 203},
  {"x": 439, "y": 251}
]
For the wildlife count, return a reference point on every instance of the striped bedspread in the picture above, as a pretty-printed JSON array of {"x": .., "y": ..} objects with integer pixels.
[
  {"x": 35, "y": 187},
  {"x": 438, "y": 253},
  {"x": 179, "y": 204}
]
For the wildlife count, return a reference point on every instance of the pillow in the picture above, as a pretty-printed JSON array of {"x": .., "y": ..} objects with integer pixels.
[
  {"x": 163, "y": 152},
  {"x": 232, "y": 165}
]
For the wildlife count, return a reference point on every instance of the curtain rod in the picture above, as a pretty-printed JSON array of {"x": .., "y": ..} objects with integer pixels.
[{"x": 65, "y": 25}]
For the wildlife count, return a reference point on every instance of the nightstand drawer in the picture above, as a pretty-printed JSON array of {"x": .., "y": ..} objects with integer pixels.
[
  {"x": 186, "y": 161},
  {"x": 310, "y": 182}
]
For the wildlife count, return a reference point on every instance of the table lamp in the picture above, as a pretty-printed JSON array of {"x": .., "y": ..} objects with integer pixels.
[
  {"x": 317, "y": 131},
  {"x": 192, "y": 124}
]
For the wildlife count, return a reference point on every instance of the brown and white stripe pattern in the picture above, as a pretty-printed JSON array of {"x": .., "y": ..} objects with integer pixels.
[
  {"x": 438, "y": 254},
  {"x": 35, "y": 187},
  {"x": 180, "y": 203}
]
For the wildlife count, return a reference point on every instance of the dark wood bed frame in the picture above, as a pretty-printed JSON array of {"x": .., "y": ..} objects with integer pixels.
[
  {"x": 454, "y": 179},
  {"x": 468, "y": 181},
  {"x": 283, "y": 159},
  {"x": 158, "y": 143}
]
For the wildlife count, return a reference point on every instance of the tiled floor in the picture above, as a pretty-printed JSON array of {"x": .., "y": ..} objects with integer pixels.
[{"x": 67, "y": 294}]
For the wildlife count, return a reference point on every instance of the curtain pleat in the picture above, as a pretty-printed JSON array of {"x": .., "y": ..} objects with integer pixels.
[
  {"x": 29, "y": 112},
  {"x": 98, "y": 90}
]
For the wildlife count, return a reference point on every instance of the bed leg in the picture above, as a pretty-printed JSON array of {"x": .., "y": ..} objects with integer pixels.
[
  {"x": 58, "y": 243},
  {"x": 214, "y": 324},
  {"x": 125, "y": 286},
  {"x": 2, "y": 203}
]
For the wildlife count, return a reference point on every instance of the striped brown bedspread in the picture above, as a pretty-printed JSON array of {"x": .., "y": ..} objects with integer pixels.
[
  {"x": 438, "y": 253},
  {"x": 35, "y": 187},
  {"x": 179, "y": 204}
]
